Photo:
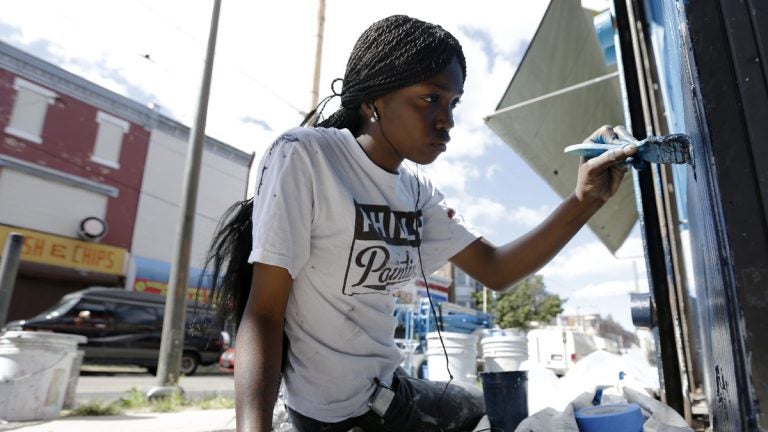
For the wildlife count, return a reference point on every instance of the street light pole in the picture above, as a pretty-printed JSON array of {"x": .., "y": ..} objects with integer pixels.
[
  {"x": 172, "y": 342},
  {"x": 318, "y": 55},
  {"x": 9, "y": 266}
]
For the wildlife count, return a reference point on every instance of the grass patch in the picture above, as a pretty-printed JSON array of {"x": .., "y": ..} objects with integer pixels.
[
  {"x": 214, "y": 402},
  {"x": 136, "y": 400},
  {"x": 96, "y": 408},
  {"x": 171, "y": 403}
]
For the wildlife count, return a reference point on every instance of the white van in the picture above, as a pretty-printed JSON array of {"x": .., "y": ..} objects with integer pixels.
[{"x": 558, "y": 348}]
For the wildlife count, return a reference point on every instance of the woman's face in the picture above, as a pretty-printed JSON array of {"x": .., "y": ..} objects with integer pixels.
[{"x": 416, "y": 120}]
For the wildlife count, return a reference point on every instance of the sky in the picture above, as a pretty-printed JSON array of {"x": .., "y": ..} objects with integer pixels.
[{"x": 153, "y": 52}]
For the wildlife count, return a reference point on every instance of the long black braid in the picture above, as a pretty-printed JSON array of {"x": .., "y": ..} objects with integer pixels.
[{"x": 393, "y": 53}]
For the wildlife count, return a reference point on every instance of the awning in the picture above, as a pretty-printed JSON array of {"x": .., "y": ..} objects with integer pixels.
[{"x": 563, "y": 91}]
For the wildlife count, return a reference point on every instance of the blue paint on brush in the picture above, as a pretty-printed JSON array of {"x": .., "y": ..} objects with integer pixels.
[{"x": 663, "y": 149}]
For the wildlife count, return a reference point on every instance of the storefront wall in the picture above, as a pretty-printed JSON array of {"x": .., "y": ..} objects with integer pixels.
[
  {"x": 711, "y": 55},
  {"x": 52, "y": 266}
]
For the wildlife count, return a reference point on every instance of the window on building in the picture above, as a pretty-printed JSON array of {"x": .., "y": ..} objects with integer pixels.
[
  {"x": 109, "y": 140},
  {"x": 29, "y": 110}
]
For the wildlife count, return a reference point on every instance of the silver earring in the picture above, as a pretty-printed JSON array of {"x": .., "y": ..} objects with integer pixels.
[{"x": 373, "y": 119}]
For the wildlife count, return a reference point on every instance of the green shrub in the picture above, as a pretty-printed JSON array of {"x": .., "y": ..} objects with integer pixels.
[
  {"x": 96, "y": 408},
  {"x": 214, "y": 402},
  {"x": 134, "y": 399},
  {"x": 173, "y": 402}
]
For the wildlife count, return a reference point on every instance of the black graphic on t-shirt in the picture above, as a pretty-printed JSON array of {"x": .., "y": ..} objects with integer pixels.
[{"x": 383, "y": 254}]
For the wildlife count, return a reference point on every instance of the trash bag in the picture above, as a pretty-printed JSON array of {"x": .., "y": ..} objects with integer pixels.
[{"x": 658, "y": 417}]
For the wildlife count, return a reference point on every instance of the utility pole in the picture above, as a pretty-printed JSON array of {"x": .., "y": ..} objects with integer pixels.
[
  {"x": 634, "y": 271},
  {"x": 318, "y": 55},
  {"x": 172, "y": 342},
  {"x": 485, "y": 299},
  {"x": 9, "y": 266}
]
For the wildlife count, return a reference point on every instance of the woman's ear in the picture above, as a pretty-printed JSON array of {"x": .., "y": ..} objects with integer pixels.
[
  {"x": 375, "y": 116},
  {"x": 370, "y": 113},
  {"x": 367, "y": 109}
]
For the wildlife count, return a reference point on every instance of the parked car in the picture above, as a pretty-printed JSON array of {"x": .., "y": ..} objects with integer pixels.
[
  {"x": 125, "y": 328},
  {"x": 227, "y": 361}
]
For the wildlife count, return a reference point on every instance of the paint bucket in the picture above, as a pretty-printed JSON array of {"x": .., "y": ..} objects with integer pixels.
[
  {"x": 614, "y": 418},
  {"x": 504, "y": 352},
  {"x": 461, "y": 350},
  {"x": 74, "y": 376},
  {"x": 35, "y": 369},
  {"x": 506, "y": 398}
]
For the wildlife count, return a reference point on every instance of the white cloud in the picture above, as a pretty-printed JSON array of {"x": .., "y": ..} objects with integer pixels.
[
  {"x": 451, "y": 175},
  {"x": 594, "y": 259},
  {"x": 468, "y": 142},
  {"x": 613, "y": 300},
  {"x": 482, "y": 210},
  {"x": 594, "y": 281},
  {"x": 631, "y": 249},
  {"x": 487, "y": 215},
  {"x": 527, "y": 216},
  {"x": 491, "y": 171},
  {"x": 605, "y": 289}
]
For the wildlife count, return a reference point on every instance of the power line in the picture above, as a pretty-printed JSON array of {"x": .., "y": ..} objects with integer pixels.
[
  {"x": 145, "y": 53},
  {"x": 232, "y": 65}
]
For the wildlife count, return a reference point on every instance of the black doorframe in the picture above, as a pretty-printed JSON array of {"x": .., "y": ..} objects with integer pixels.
[
  {"x": 725, "y": 97},
  {"x": 658, "y": 260},
  {"x": 728, "y": 41}
]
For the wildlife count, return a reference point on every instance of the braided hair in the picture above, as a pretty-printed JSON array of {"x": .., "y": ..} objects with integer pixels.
[{"x": 395, "y": 52}]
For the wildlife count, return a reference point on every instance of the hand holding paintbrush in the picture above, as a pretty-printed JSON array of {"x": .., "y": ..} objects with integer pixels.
[{"x": 664, "y": 149}]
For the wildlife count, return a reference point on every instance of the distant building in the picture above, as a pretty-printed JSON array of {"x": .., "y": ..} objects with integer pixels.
[
  {"x": 596, "y": 325},
  {"x": 588, "y": 323},
  {"x": 93, "y": 181},
  {"x": 464, "y": 287},
  {"x": 448, "y": 283}
]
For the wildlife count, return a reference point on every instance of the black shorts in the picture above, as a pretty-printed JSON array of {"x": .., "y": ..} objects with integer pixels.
[{"x": 418, "y": 406}]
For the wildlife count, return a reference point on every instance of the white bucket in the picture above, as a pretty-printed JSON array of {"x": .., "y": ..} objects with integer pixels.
[
  {"x": 462, "y": 357},
  {"x": 35, "y": 368},
  {"x": 504, "y": 353},
  {"x": 74, "y": 377}
]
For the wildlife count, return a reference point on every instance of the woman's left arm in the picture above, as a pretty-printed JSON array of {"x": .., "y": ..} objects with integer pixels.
[{"x": 501, "y": 267}]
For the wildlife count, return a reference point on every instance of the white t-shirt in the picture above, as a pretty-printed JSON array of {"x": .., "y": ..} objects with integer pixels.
[{"x": 348, "y": 233}]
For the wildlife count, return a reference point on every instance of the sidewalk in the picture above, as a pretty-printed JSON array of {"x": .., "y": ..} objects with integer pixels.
[{"x": 183, "y": 421}]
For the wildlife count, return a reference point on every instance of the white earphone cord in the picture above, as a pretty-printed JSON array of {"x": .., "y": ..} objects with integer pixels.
[{"x": 429, "y": 294}]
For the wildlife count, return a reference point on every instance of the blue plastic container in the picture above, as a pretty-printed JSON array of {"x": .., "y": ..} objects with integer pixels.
[{"x": 613, "y": 418}]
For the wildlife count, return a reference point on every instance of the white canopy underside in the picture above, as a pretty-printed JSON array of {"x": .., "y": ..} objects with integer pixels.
[{"x": 562, "y": 92}]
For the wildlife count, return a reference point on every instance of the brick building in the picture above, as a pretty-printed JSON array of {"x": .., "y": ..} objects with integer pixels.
[{"x": 93, "y": 180}]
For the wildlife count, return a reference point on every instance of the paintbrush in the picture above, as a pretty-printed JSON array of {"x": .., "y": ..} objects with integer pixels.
[{"x": 662, "y": 149}]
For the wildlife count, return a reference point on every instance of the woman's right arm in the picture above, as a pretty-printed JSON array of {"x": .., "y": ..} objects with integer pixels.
[{"x": 260, "y": 348}]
